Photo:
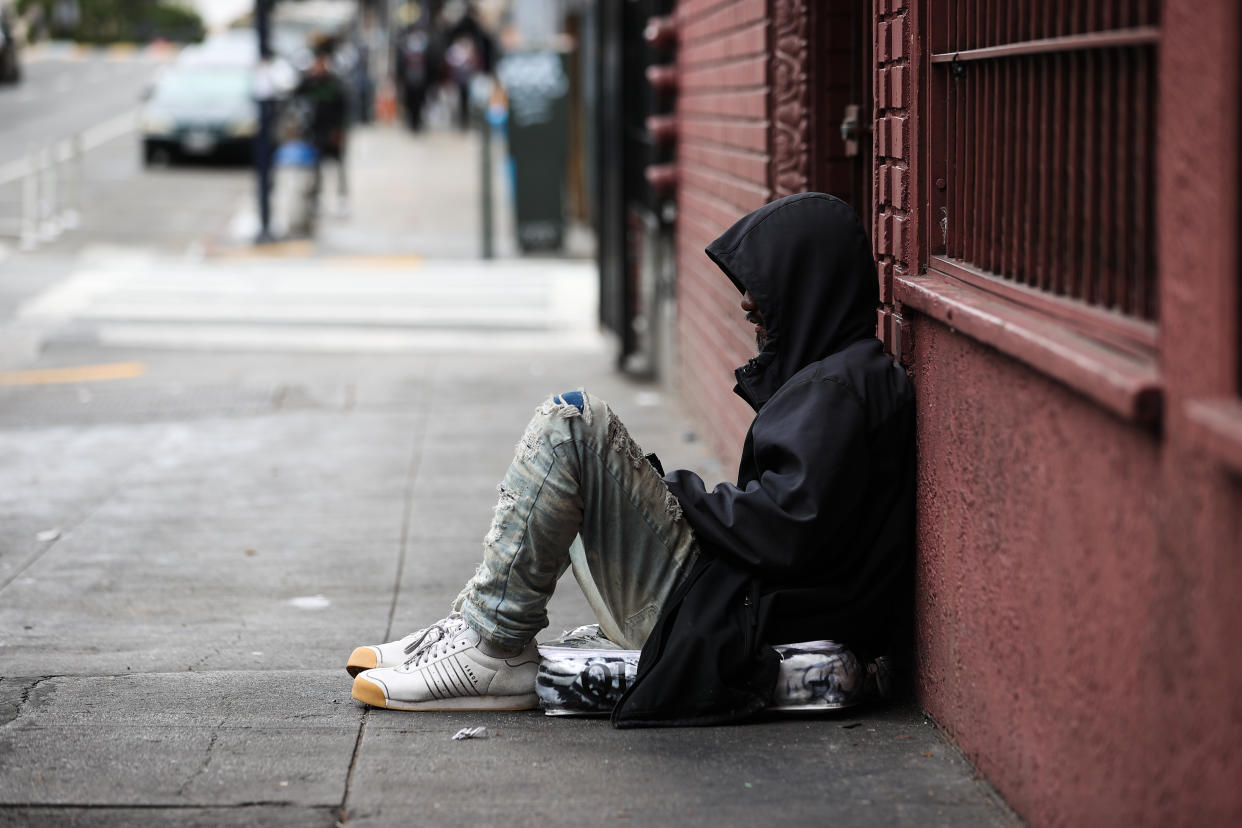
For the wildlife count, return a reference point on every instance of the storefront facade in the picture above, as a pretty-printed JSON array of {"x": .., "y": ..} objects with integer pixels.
[{"x": 1053, "y": 191}]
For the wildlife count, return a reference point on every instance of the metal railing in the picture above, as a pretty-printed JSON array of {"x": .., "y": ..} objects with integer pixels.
[{"x": 48, "y": 181}]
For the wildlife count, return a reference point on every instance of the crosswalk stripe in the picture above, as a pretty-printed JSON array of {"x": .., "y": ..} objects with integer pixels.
[
  {"x": 316, "y": 339},
  {"x": 132, "y": 299}
]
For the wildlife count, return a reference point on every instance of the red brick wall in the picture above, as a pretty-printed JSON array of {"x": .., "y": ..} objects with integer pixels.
[
  {"x": 722, "y": 160},
  {"x": 893, "y": 98}
]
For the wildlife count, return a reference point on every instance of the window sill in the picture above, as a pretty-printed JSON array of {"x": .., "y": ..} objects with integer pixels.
[
  {"x": 1126, "y": 384},
  {"x": 1217, "y": 428}
]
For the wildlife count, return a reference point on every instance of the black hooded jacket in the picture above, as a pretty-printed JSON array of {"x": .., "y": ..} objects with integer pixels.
[{"x": 815, "y": 540}]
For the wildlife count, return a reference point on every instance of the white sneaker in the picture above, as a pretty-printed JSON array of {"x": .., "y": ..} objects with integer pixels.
[
  {"x": 452, "y": 673},
  {"x": 395, "y": 653}
]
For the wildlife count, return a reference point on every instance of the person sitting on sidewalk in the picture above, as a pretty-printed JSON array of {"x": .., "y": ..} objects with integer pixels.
[{"x": 814, "y": 541}]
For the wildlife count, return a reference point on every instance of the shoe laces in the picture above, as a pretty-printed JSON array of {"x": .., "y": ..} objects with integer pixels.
[{"x": 435, "y": 640}]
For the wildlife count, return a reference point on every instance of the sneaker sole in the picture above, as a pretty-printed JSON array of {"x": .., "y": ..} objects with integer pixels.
[
  {"x": 370, "y": 693},
  {"x": 362, "y": 658}
]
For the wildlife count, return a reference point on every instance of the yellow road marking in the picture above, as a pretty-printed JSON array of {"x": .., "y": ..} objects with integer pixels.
[
  {"x": 305, "y": 249},
  {"x": 396, "y": 261},
  {"x": 298, "y": 249},
  {"x": 75, "y": 373}
]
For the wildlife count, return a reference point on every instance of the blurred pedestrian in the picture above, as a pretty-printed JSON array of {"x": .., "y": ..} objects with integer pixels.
[
  {"x": 413, "y": 72},
  {"x": 325, "y": 97},
  {"x": 471, "y": 51},
  {"x": 357, "y": 72}
]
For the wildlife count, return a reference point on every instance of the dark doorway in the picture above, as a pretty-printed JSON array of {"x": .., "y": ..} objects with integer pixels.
[{"x": 841, "y": 100}]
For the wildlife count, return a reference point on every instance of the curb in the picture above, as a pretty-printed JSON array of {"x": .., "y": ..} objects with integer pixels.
[{"x": 72, "y": 50}]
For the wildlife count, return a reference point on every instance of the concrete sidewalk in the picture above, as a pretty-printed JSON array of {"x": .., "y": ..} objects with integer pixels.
[
  {"x": 218, "y": 477},
  {"x": 426, "y": 201},
  {"x": 408, "y": 195}
]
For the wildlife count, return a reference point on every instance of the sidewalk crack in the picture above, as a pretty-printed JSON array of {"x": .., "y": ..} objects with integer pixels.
[
  {"x": 211, "y": 746},
  {"x": 12, "y": 712},
  {"x": 215, "y": 651}
]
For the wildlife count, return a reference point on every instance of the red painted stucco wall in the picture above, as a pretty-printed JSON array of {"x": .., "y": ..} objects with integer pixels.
[
  {"x": 1079, "y": 597},
  {"x": 1079, "y": 605},
  {"x": 722, "y": 164},
  {"x": 1041, "y": 648},
  {"x": 1079, "y": 575}
]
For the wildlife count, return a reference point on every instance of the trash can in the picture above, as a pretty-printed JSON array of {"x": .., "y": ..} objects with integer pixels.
[{"x": 538, "y": 131}]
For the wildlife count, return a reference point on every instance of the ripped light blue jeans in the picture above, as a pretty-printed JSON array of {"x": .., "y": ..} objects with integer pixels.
[{"x": 579, "y": 493}]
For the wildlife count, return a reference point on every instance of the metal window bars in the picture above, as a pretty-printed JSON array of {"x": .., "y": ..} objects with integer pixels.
[{"x": 1045, "y": 134}]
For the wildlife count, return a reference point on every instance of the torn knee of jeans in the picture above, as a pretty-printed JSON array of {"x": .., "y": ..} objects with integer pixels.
[
  {"x": 672, "y": 505},
  {"x": 568, "y": 405},
  {"x": 508, "y": 496},
  {"x": 529, "y": 445},
  {"x": 573, "y": 398},
  {"x": 622, "y": 443},
  {"x": 506, "y": 500}
]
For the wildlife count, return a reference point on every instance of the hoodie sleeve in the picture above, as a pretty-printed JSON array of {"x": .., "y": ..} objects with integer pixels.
[{"x": 809, "y": 449}]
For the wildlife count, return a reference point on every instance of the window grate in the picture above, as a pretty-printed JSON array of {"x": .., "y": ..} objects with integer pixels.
[
  {"x": 1049, "y": 135},
  {"x": 979, "y": 24}
]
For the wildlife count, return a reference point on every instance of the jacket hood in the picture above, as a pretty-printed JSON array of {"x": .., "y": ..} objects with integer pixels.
[{"x": 806, "y": 261}]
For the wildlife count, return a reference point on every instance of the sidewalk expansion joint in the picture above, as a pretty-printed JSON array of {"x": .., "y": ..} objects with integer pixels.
[
  {"x": 416, "y": 457},
  {"x": 343, "y": 810},
  {"x": 160, "y": 806}
]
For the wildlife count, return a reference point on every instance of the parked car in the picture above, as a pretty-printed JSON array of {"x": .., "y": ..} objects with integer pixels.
[
  {"x": 241, "y": 45},
  {"x": 10, "y": 63},
  {"x": 200, "y": 107}
]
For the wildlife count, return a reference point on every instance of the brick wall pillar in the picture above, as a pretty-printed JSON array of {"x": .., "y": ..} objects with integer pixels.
[{"x": 894, "y": 239}]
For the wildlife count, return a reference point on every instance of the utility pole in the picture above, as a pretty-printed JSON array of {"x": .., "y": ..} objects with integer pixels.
[
  {"x": 265, "y": 94},
  {"x": 482, "y": 105}
]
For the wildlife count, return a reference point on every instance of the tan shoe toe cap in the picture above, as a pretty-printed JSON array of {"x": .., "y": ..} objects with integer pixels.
[
  {"x": 368, "y": 692},
  {"x": 362, "y": 658}
]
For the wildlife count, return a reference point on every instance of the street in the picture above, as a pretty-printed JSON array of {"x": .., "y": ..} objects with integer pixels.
[
  {"x": 65, "y": 90},
  {"x": 127, "y": 209},
  {"x": 96, "y": 96},
  {"x": 222, "y": 466}
]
